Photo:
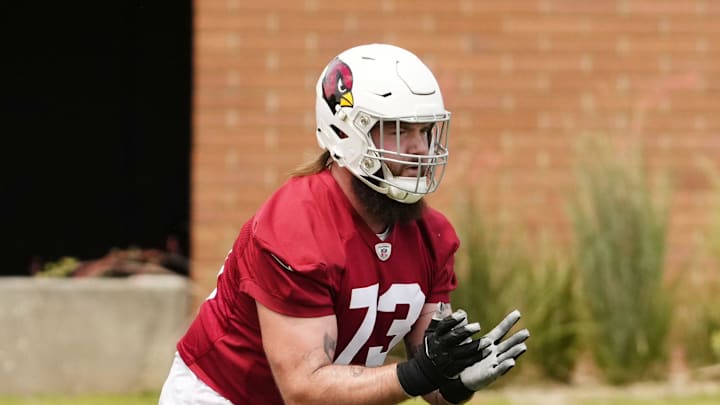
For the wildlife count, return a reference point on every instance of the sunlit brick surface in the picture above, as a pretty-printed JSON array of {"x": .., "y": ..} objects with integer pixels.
[{"x": 523, "y": 78}]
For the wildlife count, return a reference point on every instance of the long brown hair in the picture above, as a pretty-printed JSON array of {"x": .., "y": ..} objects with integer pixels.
[{"x": 322, "y": 162}]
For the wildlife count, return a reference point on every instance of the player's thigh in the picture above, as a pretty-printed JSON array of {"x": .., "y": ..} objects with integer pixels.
[{"x": 182, "y": 387}]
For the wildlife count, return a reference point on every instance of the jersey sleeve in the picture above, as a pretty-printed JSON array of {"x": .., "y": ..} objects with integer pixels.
[
  {"x": 301, "y": 292},
  {"x": 445, "y": 243},
  {"x": 293, "y": 245},
  {"x": 444, "y": 283}
]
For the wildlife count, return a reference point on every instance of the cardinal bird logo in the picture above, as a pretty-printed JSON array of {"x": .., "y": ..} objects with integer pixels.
[{"x": 337, "y": 85}]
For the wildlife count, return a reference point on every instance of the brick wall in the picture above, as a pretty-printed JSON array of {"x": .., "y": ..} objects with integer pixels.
[{"x": 523, "y": 78}]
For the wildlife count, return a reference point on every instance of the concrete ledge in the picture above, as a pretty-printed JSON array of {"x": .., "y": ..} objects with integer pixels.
[{"x": 83, "y": 335}]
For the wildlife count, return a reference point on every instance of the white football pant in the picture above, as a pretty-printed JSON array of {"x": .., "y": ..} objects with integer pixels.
[{"x": 182, "y": 387}]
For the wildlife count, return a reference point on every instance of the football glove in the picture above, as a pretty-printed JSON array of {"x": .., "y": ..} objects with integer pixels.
[
  {"x": 442, "y": 355},
  {"x": 499, "y": 361}
]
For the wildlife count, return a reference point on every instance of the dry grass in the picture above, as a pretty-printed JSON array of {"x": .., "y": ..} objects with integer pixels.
[{"x": 680, "y": 392}]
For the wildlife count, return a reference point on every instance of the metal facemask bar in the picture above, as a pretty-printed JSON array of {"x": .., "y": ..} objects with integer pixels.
[{"x": 431, "y": 167}]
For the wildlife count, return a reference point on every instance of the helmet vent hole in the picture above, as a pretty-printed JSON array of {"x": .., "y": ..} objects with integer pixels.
[{"x": 340, "y": 134}]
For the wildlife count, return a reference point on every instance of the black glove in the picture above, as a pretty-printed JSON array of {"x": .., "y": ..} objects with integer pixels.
[
  {"x": 442, "y": 355},
  {"x": 502, "y": 357}
]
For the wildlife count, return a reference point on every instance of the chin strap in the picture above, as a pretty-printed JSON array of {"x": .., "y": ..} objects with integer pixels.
[
  {"x": 407, "y": 197},
  {"x": 403, "y": 196},
  {"x": 384, "y": 186}
]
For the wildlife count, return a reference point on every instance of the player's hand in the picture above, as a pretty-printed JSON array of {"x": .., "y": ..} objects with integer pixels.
[
  {"x": 443, "y": 354},
  {"x": 448, "y": 342},
  {"x": 502, "y": 357}
]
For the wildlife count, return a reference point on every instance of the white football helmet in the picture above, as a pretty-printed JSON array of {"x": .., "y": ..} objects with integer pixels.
[{"x": 372, "y": 84}]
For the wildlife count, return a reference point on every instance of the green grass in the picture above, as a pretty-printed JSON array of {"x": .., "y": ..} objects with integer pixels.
[
  {"x": 657, "y": 395},
  {"x": 149, "y": 398},
  {"x": 505, "y": 397},
  {"x": 696, "y": 400}
]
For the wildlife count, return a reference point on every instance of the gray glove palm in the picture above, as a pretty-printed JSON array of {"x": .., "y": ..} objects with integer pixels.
[
  {"x": 499, "y": 358},
  {"x": 442, "y": 355},
  {"x": 502, "y": 354}
]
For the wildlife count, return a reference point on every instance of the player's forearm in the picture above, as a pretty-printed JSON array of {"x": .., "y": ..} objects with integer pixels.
[{"x": 332, "y": 384}]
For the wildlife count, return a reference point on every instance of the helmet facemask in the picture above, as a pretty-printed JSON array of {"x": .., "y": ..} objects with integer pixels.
[{"x": 384, "y": 163}]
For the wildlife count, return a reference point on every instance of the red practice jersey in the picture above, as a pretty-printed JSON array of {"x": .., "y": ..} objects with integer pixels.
[{"x": 307, "y": 253}]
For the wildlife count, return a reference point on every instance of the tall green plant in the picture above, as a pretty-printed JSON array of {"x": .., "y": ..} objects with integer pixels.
[
  {"x": 481, "y": 281},
  {"x": 551, "y": 302},
  {"x": 713, "y": 234},
  {"x": 620, "y": 227},
  {"x": 498, "y": 273},
  {"x": 700, "y": 320},
  {"x": 713, "y": 310}
]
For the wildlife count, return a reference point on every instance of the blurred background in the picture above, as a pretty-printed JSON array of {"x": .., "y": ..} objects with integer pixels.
[
  {"x": 97, "y": 112},
  {"x": 584, "y": 172}
]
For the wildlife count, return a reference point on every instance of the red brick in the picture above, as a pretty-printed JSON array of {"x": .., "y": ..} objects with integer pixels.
[{"x": 524, "y": 79}]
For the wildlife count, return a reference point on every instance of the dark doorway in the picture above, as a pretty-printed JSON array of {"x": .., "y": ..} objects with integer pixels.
[{"x": 96, "y": 129}]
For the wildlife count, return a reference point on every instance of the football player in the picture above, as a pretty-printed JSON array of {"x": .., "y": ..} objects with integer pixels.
[{"x": 346, "y": 260}]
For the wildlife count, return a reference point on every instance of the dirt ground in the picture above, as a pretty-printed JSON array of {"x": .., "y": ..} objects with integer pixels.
[
  {"x": 682, "y": 382},
  {"x": 566, "y": 395}
]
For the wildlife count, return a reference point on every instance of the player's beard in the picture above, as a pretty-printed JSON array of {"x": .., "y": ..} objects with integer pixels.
[{"x": 385, "y": 208}]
